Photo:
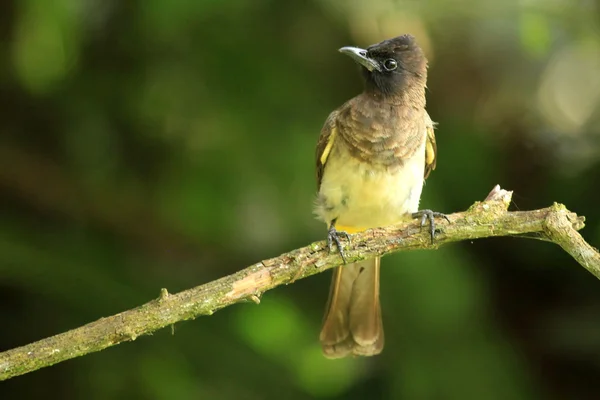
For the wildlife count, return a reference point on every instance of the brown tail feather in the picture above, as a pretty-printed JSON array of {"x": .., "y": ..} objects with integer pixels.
[{"x": 352, "y": 322}]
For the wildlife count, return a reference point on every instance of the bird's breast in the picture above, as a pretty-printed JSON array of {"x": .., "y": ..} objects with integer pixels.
[
  {"x": 362, "y": 195},
  {"x": 382, "y": 134}
]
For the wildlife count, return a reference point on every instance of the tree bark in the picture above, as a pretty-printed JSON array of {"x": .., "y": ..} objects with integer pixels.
[{"x": 483, "y": 219}]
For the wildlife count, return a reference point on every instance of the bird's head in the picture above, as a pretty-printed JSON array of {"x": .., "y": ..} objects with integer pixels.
[{"x": 391, "y": 66}]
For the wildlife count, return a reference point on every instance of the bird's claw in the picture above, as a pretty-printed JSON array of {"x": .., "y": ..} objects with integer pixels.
[
  {"x": 333, "y": 236},
  {"x": 428, "y": 215}
]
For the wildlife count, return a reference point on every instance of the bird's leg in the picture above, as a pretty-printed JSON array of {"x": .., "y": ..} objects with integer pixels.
[
  {"x": 428, "y": 215},
  {"x": 333, "y": 236}
]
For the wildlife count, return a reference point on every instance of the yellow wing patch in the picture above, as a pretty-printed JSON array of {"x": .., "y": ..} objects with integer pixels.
[
  {"x": 430, "y": 151},
  {"x": 328, "y": 147}
]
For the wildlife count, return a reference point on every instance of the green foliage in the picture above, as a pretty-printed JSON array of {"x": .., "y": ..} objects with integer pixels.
[{"x": 165, "y": 144}]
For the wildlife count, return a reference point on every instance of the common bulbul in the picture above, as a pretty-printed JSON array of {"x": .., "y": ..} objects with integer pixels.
[{"x": 373, "y": 156}]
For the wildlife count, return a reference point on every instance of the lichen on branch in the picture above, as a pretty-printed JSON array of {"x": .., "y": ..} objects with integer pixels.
[{"x": 483, "y": 219}]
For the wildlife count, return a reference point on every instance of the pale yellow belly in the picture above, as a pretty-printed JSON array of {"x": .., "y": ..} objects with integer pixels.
[{"x": 361, "y": 196}]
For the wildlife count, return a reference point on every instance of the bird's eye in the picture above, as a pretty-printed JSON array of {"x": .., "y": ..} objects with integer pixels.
[{"x": 390, "y": 64}]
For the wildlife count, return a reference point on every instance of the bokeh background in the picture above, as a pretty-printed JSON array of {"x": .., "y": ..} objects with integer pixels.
[{"x": 150, "y": 144}]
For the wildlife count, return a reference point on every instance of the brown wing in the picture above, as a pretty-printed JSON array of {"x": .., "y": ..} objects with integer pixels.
[
  {"x": 430, "y": 147},
  {"x": 325, "y": 144}
]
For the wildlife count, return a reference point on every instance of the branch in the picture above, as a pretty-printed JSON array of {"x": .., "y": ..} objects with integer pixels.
[{"x": 484, "y": 219}]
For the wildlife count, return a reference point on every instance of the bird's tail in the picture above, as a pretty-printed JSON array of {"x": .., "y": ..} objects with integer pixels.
[{"x": 352, "y": 322}]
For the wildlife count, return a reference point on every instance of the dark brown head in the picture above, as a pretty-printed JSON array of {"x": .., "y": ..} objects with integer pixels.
[{"x": 392, "y": 66}]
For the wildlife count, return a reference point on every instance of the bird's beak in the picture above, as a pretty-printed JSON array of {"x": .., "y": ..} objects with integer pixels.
[{"x": 360, "y": 56}]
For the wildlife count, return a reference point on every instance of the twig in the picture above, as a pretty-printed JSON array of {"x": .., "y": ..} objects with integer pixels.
[{"x": 483, "y": 219}]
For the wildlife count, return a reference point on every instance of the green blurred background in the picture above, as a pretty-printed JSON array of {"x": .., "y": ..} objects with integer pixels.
[{"x": 150, "y": 144}]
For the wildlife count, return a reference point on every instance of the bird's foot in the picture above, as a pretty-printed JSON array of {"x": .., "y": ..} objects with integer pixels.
[
  {"x": 428, "y": 215},
  {"x": 333, "y": 236}
]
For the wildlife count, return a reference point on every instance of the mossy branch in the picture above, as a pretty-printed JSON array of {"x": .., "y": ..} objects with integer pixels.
[{"x": 483, "y": 219}]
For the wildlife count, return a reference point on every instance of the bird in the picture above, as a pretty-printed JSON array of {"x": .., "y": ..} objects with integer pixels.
[{"x": 372, "y": 158}]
